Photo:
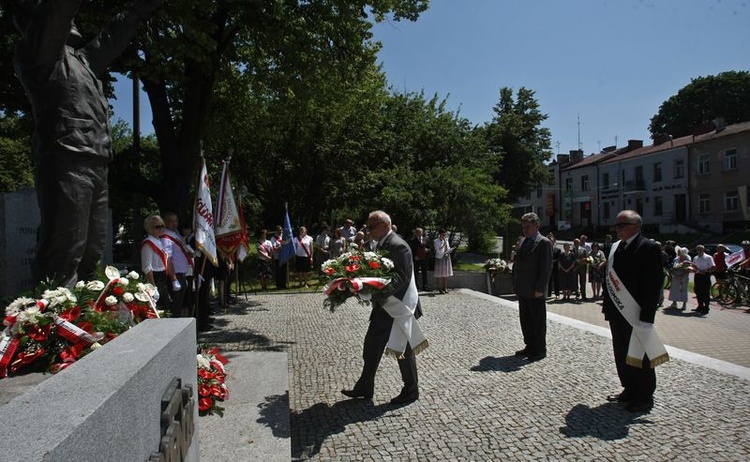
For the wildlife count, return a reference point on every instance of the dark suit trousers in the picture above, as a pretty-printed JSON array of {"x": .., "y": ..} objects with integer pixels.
[
  {"x": 375, "y": 341},
  {"x": 638, "y": 383},
  {"x": 533, "y": 315},
  {"x": 420, "y": 266},
  {"x": 702, "y": 287}
]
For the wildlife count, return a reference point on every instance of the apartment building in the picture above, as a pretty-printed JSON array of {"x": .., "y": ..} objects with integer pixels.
[{"x": 699, "y": 180}]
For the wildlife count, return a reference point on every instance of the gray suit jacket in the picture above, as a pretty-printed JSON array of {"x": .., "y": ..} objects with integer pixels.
[
  {"x": 532, "y": 267},
  {"x": 400, "y": 253}
]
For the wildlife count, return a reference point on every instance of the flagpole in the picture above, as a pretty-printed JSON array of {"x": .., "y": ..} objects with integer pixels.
[{"x": 194, "y": 312}]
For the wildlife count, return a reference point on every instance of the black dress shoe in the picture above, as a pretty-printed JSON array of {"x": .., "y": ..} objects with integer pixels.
[
  {"x": 640, "y": 406},
  {"x": 356, "y": 394},
  {"x": 618, "y": 398},
  {"x": 525, "y": 352},
  {"x": 536, "y": 357},
  {"x": 406, "y": 397}
]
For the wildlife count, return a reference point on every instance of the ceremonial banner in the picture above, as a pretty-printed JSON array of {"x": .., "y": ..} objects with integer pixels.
[
  {"x": 734, "y": 258},
  {"x": 203, "y": 218},
  {"x": 244, "y": 247},
  {"x": 228, "y": 227},
  {"x": 287, "y": 246}
]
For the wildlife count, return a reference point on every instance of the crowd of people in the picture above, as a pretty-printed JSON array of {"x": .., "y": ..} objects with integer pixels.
[{"x": 579, "y": 264}]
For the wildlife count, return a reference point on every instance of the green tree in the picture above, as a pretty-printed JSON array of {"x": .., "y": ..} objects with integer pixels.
[
  {"x": 15, "y": 163},
  {"x": 520, "y": 143},
  {"x": 726, "y": 96}
]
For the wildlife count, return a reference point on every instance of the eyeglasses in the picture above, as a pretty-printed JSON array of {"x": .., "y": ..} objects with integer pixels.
[
  {"x": 159, "y": 227},
  {"x": 624, "y": 225}
]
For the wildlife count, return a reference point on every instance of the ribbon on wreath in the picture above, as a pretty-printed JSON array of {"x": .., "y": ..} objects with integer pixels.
[
  {"x": 356, "y": 284},
  {"x": 8, "y": 347}
]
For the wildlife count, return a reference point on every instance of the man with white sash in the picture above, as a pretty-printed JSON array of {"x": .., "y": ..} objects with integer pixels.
[
  {"x": 634, "y": 279},
  {"x": 393, "y": 320}
]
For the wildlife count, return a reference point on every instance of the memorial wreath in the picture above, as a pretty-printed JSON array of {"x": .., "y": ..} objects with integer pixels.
[{"x": 355, "y": 274}]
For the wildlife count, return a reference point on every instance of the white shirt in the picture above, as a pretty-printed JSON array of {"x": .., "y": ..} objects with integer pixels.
[
  {"x": 175, "y": 251},
  {"x": 152, "y": 260},
  {"x": 306, "y": 243},
  {"x": 704, "y": 263}
]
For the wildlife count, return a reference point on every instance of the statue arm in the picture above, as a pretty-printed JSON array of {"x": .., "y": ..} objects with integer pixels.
[
  {"x": 115, "y": 37},
  {"x": 47, "y": 31}
]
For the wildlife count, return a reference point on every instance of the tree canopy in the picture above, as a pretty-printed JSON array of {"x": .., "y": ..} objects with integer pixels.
[{"x": 704, "y": 99}]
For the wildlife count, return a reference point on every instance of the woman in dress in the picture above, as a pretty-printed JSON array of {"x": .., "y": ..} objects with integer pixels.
[
  {"x": 265, "y": 258},
  {"x": 337, "y": 244},
  {"x": 568, "y": 275},
  {"x": 597, "y": 268},
  {"x": 443, "y": 265},
  {"x": 154, "y": 259},
  {"x": 680, "y": 271}
]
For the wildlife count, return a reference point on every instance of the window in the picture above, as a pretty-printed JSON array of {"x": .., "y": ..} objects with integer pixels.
[
  {"x": 568, "y": 184},
  {"x": 658, "y": 206},
  {"x": 606, "y": 213},
  {"x": 679, "y": 168},
  {"x": 704, "y": 164},
  {"x": 704, "y": 204},
  {"x": 657, "y": 171},
  {"x": 730, "y": 160},
  {"x": 585, "y": 183},
  {"x": 731, "y": 201},
  {"x": 538, "y": 193},
  {"x": 605, "y": 180}
]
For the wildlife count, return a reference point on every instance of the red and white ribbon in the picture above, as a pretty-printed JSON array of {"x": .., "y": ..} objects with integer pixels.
[
  {"x": 355, "y": 284},
  {"x": 8, "y": 347},
  {"x": 73, "y": 333}
]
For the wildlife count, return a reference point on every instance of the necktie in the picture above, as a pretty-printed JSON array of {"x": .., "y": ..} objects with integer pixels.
[
  {"x": 527, "y": 244},
  {"x": 623, "y": 246}
]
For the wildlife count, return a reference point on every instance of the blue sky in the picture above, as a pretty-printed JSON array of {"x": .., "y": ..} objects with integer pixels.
[{"x": 609, "y": 62}]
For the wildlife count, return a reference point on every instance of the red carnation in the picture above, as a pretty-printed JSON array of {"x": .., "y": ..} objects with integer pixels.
[
  {"x": 373, "y": 264},
  {"x": 118, "y": 291},
  {"x": 352, "y": 268}
]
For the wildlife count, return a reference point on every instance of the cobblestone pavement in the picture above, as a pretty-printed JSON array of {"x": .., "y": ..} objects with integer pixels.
[{"x": 479, "y": 402}]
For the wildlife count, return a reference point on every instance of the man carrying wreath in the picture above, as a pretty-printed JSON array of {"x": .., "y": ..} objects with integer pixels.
[
  {"x": 633, "y": 282},
  {"x": 393, "y": 326}
]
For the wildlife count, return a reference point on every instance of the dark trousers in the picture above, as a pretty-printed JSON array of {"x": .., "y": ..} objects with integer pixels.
[
  {"x": 162, "y": 285},
  {"x": 280, "y": 274},
  {"x": 554, "y": 281},
  {"x": 702, "y": 286},
  {"x": 72, "y": 192},
  {"x": 638, "y": 383},
  {"x": 533, "y": 315},
  {"x": 178, "y": 296},
  {"x": 420, "y": 266},
  {"x": 375, "y": 341}
]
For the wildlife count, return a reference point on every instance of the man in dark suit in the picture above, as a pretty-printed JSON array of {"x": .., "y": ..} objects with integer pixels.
[
  {"x": 531, "y": 273},
  {"x": 403, "y": 288},
  {"x": 419, "y": 250},
  {"x": 637, "y": 263}
]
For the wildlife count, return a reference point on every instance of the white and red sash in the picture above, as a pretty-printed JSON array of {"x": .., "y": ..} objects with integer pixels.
[
  {"x": 182, "y": 247},
  {"x": 151, "y": 241},
  {"x": 644, "y": 340},
  {"x": 304, "y": 247}
]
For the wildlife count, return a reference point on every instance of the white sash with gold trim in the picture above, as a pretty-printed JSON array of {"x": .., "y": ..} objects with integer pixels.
[
  {"x": 644, "y": 340},
  {"x": 405, "y": 328}
]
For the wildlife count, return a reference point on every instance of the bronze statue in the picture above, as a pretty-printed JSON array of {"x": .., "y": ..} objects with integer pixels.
[{"x": 71, "y": 143}]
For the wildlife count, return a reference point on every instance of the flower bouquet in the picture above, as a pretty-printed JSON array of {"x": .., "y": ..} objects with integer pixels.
[
  {"x": 495, "y": 266},
  {"x": 54, "y": 327},
  {"x": 355, "y": 274},
  {"x": 211, "y": 378}
]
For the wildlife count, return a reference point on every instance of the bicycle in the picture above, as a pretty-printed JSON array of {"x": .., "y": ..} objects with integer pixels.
[{"x": 734, "y": 289}]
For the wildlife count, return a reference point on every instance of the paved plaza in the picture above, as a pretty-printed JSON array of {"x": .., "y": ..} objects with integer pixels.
[{"x": 479, "y": 402}]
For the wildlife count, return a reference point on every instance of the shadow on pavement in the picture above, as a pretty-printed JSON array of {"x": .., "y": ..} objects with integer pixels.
[
  {"x": 504, "y": 364},
  {"x": 327, "y": 420},
  {"x": 274, "y": 413},
  {"x": 609, "y": 421}
]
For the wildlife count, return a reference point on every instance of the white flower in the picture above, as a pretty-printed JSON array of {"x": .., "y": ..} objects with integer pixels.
[
  {"x": 28, "y": 315},
  {"x": 387, "y": 262},
  {"x": 80, "y": 285},
  {"x": 203, "y": 362},
  {"x": 59, "y": 296},
  {"x": 95, "y": 346},
  {"x": 18, "y": 305},
  {"x": 111, "y": 300},
  {"x": 371, "y": 256},
  {"x": 123, "y": 282},
  {"x": 326, "y": 264},
  {"x": 95, "y": 286},
  {"x": 111, "y": 272},
  {"x": 133, "y": 275},
  {"x": 127, "y": 297}
]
